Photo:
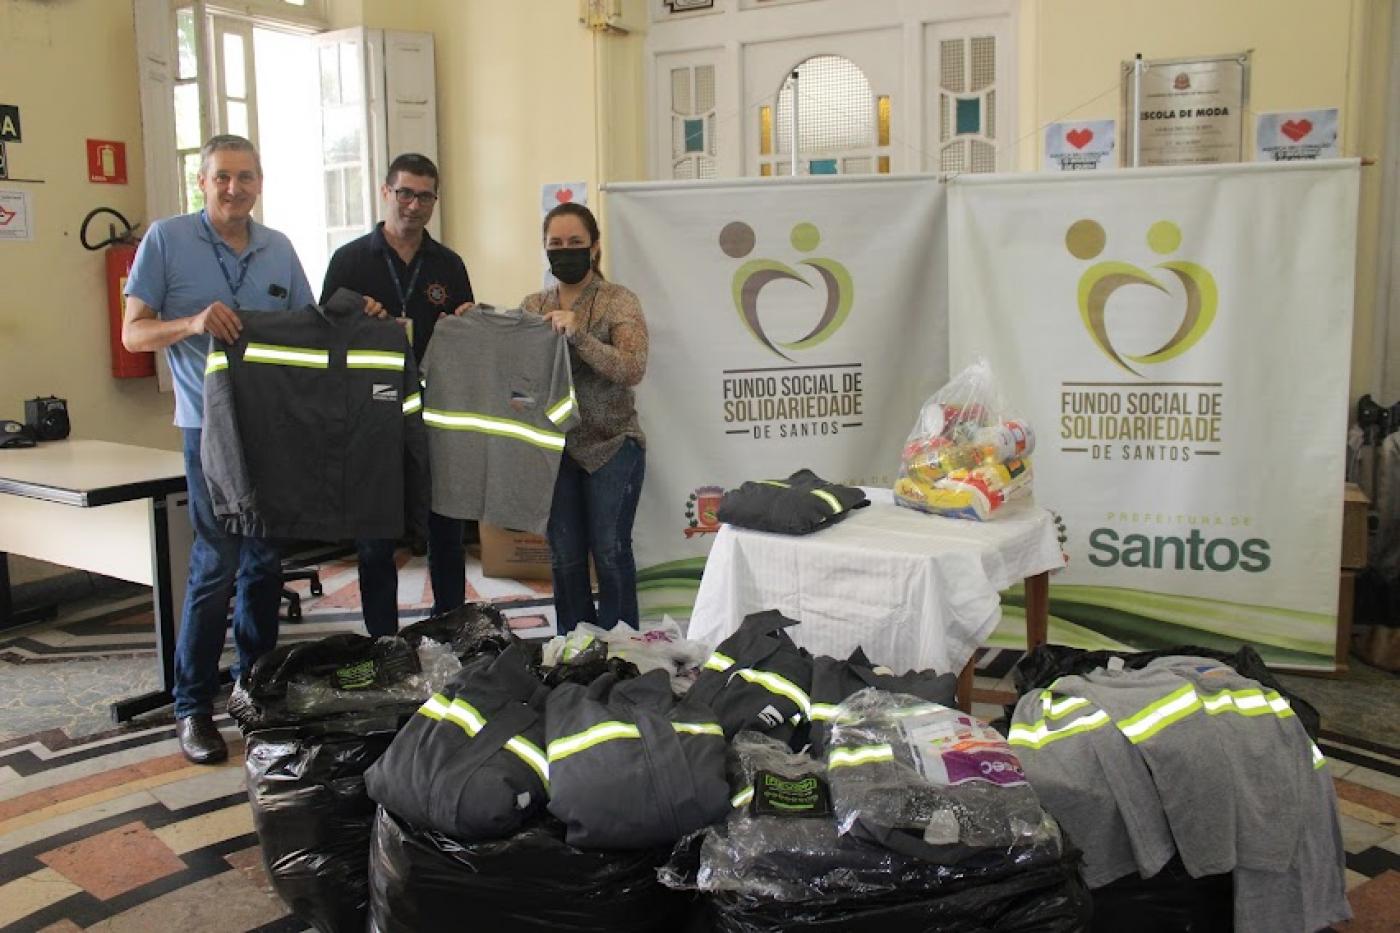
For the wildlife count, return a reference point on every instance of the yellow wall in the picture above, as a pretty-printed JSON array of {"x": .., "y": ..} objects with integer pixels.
[
  {"x": 71, "y": 69},
  {"x": 1305, "y": 54}
]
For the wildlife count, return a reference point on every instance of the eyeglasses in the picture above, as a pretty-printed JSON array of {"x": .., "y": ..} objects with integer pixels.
[{"x": 408, "y": 195}]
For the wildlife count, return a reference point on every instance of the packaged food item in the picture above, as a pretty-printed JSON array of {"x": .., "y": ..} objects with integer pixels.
[{"x": 965, "y": 457}]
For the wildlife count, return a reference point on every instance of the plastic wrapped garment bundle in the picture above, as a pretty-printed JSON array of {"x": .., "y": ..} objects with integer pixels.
[
  {"x": 312, "y": 814},
  {"x": 655, "y": 646},
  {"x": 780, "y": 842},
  {"x": 532, "y": 881},
  {"x": 349, "y": 673},
  {"x": 1050, "y": 899},
  {"x": 930, "y": 781}
]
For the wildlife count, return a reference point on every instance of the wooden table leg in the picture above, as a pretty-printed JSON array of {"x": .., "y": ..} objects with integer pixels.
[
  {"x": 1037, "y": 610},
  {"x": 964, "y": 689}
]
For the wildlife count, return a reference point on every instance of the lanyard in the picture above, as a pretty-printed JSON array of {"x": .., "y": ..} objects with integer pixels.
[
  {"x": 243, "y": 263},
  {"x": 404, "y": 293}
]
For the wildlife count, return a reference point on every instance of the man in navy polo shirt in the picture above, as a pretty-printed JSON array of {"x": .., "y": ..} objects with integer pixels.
[
  {"x": 191, "y": 274},
  {"x": 417, "y": 280}
]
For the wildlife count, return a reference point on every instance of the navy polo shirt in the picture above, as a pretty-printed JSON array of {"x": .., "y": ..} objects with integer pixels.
[{"x": 441, "y": 284}]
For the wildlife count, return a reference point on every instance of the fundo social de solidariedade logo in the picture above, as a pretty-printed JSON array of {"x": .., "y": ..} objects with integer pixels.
[
  {"x": 790, "y": 399},
  {"x": 1141, "y": 420}
]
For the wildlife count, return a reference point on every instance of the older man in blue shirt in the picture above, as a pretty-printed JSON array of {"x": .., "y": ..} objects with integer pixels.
[{"x": 191, "y": 274}]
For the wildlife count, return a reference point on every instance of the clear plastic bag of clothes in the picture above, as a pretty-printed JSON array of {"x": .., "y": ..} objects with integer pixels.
[
  {"x": 966, "y": 456},
  {"x": 654, "y": 646},
  {"x": 351, "y": 673},
  {"x": 931, "y": 782},
  {"x": 780, "y": 843}
]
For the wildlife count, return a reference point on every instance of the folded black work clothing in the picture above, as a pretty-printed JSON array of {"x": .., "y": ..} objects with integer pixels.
[
  {"x": 313, "y": 426},
  {"x": 798, "y": 505},
  {"x": 758, "y": 679},
  {"x": 471, "y": 763},
  {"x": 834, "y": 680},
  {"x": 630, "y": 766}
]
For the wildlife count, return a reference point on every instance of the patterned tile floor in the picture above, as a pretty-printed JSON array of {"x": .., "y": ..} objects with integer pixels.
[{"x": 110, "y": 829}]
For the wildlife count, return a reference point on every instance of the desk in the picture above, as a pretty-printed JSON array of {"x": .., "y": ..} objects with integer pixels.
[
  {"x": 915, "y": 591},
  {"x": 113, "y": 509}
]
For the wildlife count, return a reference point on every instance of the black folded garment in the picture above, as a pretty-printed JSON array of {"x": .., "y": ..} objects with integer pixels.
[{"x": 798, "y": 505}]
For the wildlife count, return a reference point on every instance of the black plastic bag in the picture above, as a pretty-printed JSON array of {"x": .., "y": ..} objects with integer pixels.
[
  {"x": 348, "y": 673},
  {"x": 530, "y": 881},
  {"x": 1171, "y": 901},
  {"x": 1046, "y": 663},
  {"x": 312, "y": 814},
  {"x": 1052, "y": 899}
]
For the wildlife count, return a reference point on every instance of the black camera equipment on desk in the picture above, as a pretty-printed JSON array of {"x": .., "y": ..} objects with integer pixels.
[{"x": 48, "y": 418}]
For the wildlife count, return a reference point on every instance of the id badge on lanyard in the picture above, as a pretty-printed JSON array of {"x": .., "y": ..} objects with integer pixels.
[{"x": 233, "y": 284}]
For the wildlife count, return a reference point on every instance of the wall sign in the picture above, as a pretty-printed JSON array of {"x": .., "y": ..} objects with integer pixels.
[
  {"x": 1296, "y": 135},
  {"x": 106, "y": 160},
  {"x": 14, "y": 216},
  {"x": 1077, "y": 147},
  {"x": 1190, "y": 110},
  {"x": 9, "y": 124}
]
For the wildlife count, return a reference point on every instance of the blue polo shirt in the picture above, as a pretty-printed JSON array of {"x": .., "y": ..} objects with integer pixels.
[{"x": 177, "y": 274}]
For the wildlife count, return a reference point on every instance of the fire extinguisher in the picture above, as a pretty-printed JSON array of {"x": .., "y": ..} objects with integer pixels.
[{"x": 120, "y": 254}]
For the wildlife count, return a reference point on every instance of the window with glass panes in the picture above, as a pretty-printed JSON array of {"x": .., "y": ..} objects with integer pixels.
[
  {"x": 843, "y": 126},
  {"x": 967, "y": 104}
]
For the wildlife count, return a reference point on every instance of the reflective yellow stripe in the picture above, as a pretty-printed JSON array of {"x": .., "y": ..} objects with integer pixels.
[
  {"x": 719, "y": 662},
  {"x": 215, "y": 361},
  {"x": 824, "y": 712},
  {"x": 829, "y": 499},
  {"x": 1155, "y": 717},
  {"x": 741, "y": 798},
  {"x": 779, "y": 685},
  {"x": 850, "y": 757},
  {"x": 308, "y": 357},
  {"x": 413, "y": 403},
  {"x": 563, "y": 409},
  {"x": 1038, "y": 734},
  {"x": 1063, "y": 708},
  {"x": 374, "y": 359},
  {"x": 501, "y": 427},
  {"x": 463, "y": 714},
  {"x": 568, "y": 745},
  {"x": 1317, "y": 757},
  {"x": 698, "y": 728},
  {"x": 774, "y": 482}
]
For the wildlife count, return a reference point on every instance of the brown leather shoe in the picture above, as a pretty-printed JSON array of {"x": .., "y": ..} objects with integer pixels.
[{"x": 200, "y": 741}]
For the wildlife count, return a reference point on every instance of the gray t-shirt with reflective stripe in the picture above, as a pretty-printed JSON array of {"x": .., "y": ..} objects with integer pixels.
[{"x": 497, "y": 401}]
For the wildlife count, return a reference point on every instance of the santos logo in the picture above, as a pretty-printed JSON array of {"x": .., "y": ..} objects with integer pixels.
[
  {"x": 737, "y": 240},
  {"x": 1194, "y": 552},
  {"x": 1085, "y": 239}
]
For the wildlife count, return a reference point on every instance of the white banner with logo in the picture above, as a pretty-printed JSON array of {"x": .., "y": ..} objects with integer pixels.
[
  {"x": 793, "y": 324},
  {"x": 1180, "y": 338}
]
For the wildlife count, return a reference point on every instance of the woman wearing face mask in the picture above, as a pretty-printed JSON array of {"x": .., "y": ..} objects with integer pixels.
[{"x": 600, "y": 475}]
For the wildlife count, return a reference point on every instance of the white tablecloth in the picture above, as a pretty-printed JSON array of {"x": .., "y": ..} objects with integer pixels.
[{"x": 915, "y": 591}]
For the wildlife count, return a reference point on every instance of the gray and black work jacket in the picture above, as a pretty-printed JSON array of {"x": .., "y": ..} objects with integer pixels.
[
  {"x": 632, "y": 767},
  {"x": 313, "y": 426}
]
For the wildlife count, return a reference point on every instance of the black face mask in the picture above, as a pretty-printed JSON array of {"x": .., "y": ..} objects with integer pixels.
[{"x": 571, "y": 264}]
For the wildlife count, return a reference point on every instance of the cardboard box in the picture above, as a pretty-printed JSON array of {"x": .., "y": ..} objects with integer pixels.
[
  {"x": 1354, "y": 508},
  {"x": 514, "y": 555}
]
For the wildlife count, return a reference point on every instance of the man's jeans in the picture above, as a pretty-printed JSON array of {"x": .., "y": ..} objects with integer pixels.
[
  {"x": 594, "y": 512},
  {"x": 218, "y": 560},
  {"x": 379, "y": 575}
]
